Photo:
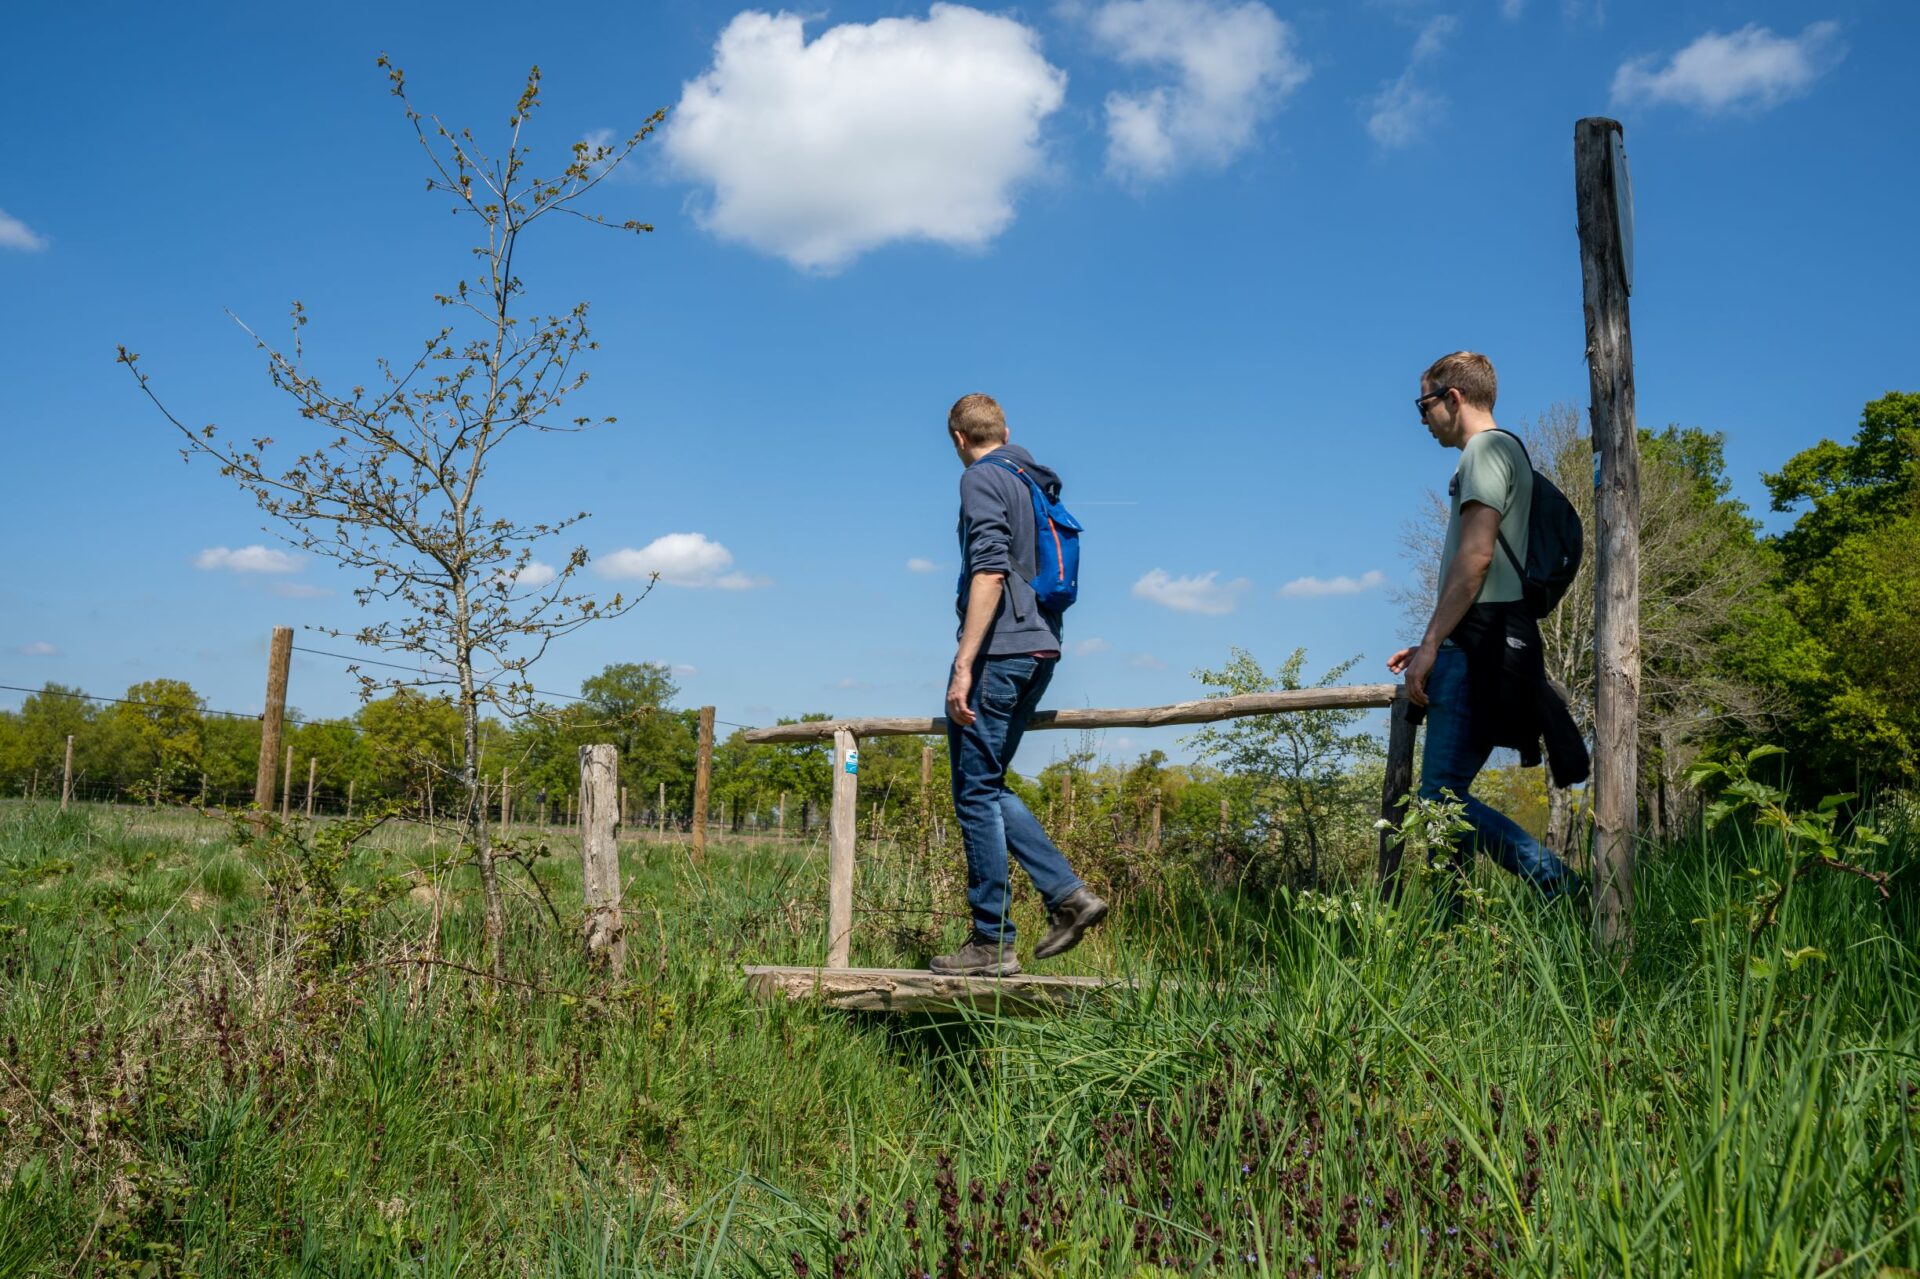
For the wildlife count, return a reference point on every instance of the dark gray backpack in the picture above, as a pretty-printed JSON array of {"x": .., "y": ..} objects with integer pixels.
[{"x": 1555, "y": 542}]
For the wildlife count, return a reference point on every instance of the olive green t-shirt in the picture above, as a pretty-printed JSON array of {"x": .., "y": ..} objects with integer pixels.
[{"x": 1493, "y": 471}]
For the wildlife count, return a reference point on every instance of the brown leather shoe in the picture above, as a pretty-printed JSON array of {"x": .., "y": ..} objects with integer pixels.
[
  {"x": 978, "y": 958},
  {"x": 1072, "y": 918}
]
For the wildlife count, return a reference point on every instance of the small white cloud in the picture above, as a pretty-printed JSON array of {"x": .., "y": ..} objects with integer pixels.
[
  {"x": 1201, "y": 594},
  {"x": 1511, "y": 9},
  {"x": 535, "y": 575},
  {"x": 15, "y": 234},
  {"x": 680, "y": 559},
  {"x": 1751, "y": 69},
  {"x": 899, "y": 129},
  {"x": 1401, "y": 112},
  {"x": 298, "y": 590},
  {"x": 1088, "y": 647},
  {"x": 39, "y": 648},
  {"x": 1145, "y": 662},
  {"x": 1233, "y": 65},
  {"x": 247, "y": 559},
  {"x": 684, "y": 669},
  {"x": 1310, "y": 588},
  {"x": 921, "y": 564},
  {"x": 849, "y": 682}
]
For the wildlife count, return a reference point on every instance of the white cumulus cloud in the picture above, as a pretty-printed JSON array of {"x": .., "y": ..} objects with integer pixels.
[
  {"x": 921, "y": 564},
  {"x": 1088, "y": 647},
  {"x": 1750, "y": 69},
  {"x": 900, "y": 129},
  {"x": 1201, "y": 594},
  {"x": 535, "y": 575},
  {"x": 15, "y": 234},
  {"x": 1309, "y": 588},
  {"x": 680, "y": 559},
  {"x": 247, "y": 559},
  {"x": 39, "y": 648},
  {"x": 1231, "y": 67}
]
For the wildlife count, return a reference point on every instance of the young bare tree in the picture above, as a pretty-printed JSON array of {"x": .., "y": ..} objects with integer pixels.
[
  {"x": 391, "y": 481},
  {"x": 1700, "y": 569}
]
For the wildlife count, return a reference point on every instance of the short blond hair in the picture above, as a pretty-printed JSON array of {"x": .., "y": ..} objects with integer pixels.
[
  {"x": 978, "y": 419},
  {"x": 1467, "y": 372}
]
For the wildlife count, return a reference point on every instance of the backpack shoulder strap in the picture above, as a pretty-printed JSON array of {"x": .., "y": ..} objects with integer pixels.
[
  {"x": 1513, "y": 559},
  {"x": 1008, "y": 464}
]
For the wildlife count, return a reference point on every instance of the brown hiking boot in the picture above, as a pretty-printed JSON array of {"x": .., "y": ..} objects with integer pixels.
[
  {"x": 1072, "y": 918},
  {"x": 978, "y": 958}
]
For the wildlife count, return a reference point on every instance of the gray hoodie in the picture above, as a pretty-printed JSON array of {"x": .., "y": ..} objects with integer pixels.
[{"x": 997, "y": 536}]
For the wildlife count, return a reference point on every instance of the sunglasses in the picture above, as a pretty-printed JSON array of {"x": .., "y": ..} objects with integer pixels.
[{"x": 1420, "y": 401}]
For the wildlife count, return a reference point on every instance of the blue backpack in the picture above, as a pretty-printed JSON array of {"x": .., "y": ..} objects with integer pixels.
[{"x": 1056, "y": 578}]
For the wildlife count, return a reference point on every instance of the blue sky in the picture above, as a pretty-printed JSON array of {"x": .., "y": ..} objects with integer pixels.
[{"x": 1200, "y": 251}]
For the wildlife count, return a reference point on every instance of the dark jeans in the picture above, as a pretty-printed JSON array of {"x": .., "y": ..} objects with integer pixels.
[
  {"x": 993, "y": 821},
  {"x": 1451, "y": 761}
]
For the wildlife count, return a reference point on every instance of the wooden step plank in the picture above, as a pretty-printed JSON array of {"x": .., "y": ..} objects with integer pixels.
[{"x": 900, "y": 990}]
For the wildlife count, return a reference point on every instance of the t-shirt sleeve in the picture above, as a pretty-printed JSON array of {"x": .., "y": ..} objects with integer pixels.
[
  {"x": 1486, "y": 474},
  {"x": 988, "y": 519}
]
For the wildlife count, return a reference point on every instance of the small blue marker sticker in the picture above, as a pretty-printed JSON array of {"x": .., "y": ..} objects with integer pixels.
[{"x": 853, "y": 761}]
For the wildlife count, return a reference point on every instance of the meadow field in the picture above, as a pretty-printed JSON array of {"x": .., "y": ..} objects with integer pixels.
[{"x": 223, "y": 1058}]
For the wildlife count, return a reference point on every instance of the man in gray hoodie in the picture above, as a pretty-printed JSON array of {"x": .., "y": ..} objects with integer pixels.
[{"x": 1008, "y": 648}]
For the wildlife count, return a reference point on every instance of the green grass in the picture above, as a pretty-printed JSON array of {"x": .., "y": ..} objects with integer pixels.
[{"x": 1308, "y": 1088}]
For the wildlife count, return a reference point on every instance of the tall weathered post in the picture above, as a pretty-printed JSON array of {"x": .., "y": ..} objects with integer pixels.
[
  {"x": 286, "y": 783},
  {"x": 1605, "y": 200},
  {"x": 702, "y": 781},
  {"x": 272, "y": 721},
  {"x": 842, "y": 838},
  {"x": 313, "y": 773},
  {"x": 66, "y": 777},
  {"x": 600, "y": 855},
  {"x": 660, "y": 812}
]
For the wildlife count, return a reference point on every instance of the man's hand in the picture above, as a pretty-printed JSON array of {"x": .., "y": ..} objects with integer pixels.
[
  {"x": 958, "y": 691},
  {"x": 1414, "y": 664}
]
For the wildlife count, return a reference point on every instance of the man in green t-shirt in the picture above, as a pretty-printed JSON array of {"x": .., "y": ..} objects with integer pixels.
[{"x": 1491, "y": 498}]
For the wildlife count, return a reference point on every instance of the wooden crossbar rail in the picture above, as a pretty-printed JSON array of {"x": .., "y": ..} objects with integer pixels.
[
  {"x": 1204, "y": 711},
  {"x": 846, "y": 734}
]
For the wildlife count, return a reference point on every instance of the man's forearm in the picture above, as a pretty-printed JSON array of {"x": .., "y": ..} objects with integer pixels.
[
  {"x": 1464, "y": 579},
  {"x": 983, "y": 601}
]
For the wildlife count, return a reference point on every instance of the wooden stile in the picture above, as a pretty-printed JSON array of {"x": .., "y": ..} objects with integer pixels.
[{"x": 1399, "y": 780}]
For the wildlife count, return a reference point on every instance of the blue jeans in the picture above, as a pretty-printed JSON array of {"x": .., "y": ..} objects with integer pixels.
[
  {"x": 993, "y": 821},
  {"x": 1451, "y": 761}
]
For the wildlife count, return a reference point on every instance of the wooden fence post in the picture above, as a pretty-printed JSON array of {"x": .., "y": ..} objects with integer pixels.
[
  {"x": 313, "y": 770},
  {"x": 1153, "y": 839},
  {"x": 1604, "y": 201},
  {"x": 780, "y": 818},
  {"x": 842, "y": 838},
  {"x": 926, "y": 802},
  {"x": 600, "y": 855},
  {"x": 273, "y": 719},
  {"x": 66, "y": 777},
  {"x": 1066, "y": 801},
  {"x": 286, "y": 784},
  {"x": 351, "y": 783},
  {"x": 660, "y": 812},
  {"x": 506, "y": 801},
  {"x": 702, "y": 781},
  {"x": 1399, "y": 780},
  {"x": 623, "y": 807}
]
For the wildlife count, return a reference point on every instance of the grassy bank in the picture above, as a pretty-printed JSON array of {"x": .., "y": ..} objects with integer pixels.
[{"x": 1300, "y": 1087}]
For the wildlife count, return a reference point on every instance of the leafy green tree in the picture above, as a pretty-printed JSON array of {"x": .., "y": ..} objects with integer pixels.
[
  {"x": 1850, "y": 489},
  {"x": 412, "y": 740},
  {"x": 156, "y": 729},
  {"x": 1300, "y": 763},
  {"x": 34, "y": 738}
]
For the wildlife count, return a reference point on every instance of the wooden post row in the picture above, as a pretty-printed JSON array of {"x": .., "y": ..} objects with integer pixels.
[
  {"x": 605, "y": 935},
  {"x": 842, "y": 837},
  {"x": 1604, "y": 201},
  {"x": 273, "y": 720},
  {"x": 702, "y": 781}
]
